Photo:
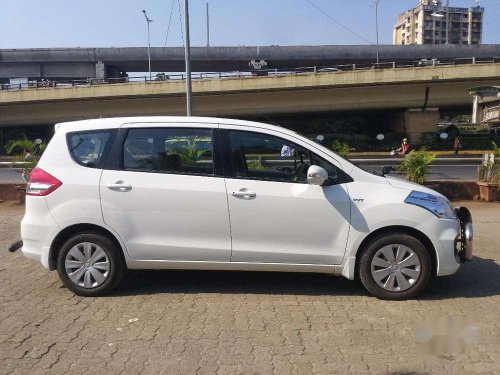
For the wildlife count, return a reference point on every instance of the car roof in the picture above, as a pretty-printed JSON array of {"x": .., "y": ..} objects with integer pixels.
[{"x": 116, "y": 122}]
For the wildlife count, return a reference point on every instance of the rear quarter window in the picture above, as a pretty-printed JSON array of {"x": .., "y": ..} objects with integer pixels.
[{"x": 90, "y": 148}]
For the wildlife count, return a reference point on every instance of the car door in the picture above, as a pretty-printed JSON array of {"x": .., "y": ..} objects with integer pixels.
[
  {"x": 276, "y": 216},
  {"x": 166, "y": 199}
]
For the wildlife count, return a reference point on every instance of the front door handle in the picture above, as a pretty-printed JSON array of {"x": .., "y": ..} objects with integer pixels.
[
  {"x": 119, "y": 186},
  {"x": 243, "y": 193}
]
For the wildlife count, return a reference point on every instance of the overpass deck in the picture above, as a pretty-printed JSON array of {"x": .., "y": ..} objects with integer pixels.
[
  {"x": 56, "y": 63},
  {"x": 416, "y": 87}
]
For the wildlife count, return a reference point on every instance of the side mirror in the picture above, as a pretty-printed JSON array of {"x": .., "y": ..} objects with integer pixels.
[{"x": 316, "y": 175}]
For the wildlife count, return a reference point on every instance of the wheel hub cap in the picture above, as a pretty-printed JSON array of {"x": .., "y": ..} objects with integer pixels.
[
  {"x": 87, "y": 265},
  {"x": 395, "y": 267}
]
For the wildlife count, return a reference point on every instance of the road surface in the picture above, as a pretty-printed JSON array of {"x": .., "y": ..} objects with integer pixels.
[
  {"x": 443, "y": 168},
  {"x": 197, "y": 322}
]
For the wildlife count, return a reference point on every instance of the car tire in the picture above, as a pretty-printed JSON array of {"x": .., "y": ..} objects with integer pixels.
[
  {"x": 400, "y": 276},
  {"x": 90, "y": 264}
]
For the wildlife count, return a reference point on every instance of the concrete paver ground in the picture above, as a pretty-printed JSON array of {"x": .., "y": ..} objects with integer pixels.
[{"x": 180, "y": 322}]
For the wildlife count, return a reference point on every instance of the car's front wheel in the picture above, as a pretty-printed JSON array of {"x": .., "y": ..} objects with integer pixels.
[
  {"x": 395, "y": 267},
  {"x": 89, "y": 264}
]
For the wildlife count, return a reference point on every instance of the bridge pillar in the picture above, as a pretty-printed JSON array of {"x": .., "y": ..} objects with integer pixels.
[
  {"x": 419, "y": 121},
  {"x": 415, "y": 122},
  {"x": 100, "y": 70},
  {"x": 103, "y": 71}
]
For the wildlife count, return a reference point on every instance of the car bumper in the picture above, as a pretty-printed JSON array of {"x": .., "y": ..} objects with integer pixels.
[{"x": 37, "y": 230}]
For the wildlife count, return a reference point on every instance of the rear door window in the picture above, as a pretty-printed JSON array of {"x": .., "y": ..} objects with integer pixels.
[
  {"x": 89, "y": 148},
  {"x": 169, "y": 150}
]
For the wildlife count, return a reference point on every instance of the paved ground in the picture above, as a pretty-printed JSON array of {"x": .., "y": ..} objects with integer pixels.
[{"x": 227, "y": 323}]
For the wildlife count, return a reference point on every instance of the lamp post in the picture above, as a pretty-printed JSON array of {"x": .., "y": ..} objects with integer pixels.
[
  {"x": 208, "y": 27},
  {"x": 187, "y": 54},
  {"x": 376, "y": 4},
  {"x": 148, "y": 21}
]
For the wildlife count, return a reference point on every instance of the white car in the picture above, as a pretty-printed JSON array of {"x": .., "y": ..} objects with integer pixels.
[{"x": 215, "y": 194}]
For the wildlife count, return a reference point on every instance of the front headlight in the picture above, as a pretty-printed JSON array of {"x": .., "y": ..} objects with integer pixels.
[{"x": 439, "y": 206}]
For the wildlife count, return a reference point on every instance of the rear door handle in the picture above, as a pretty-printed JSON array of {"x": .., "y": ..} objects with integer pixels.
[
  {"x": 243, "y": 194},
  {"x": 119, "y": 186}
]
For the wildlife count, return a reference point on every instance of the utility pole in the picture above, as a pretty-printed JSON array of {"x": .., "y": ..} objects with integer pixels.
[
  {"x": 187, "y": 53},
  {"x": 208, "y": 28},
  {"x": 148, "y": 21},
  {"x": 376, "y": 4}
]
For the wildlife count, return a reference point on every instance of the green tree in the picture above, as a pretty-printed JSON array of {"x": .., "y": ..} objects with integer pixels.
[
  {"x": 491, "y": 171},
  {"x": 190, "y": 154},
  {"x": 341, "y": 148},
  {"x": 416, "y": 164},
  {"x": 25, "y": 152},
  {"x": 255, "y": 165}
]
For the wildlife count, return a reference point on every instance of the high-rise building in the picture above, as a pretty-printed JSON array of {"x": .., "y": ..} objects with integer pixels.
[{"x": 433, "y": 22}]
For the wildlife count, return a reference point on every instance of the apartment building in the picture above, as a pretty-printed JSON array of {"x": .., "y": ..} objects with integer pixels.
[{"x": 433, "y": 22}]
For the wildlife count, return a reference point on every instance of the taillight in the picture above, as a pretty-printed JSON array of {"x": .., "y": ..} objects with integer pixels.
[{"x": 41, "y": 183}]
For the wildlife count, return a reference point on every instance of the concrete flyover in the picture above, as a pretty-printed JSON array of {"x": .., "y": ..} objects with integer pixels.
[
  {"x": 82, "y": 63},
  {"x": 417, "y": 93}
]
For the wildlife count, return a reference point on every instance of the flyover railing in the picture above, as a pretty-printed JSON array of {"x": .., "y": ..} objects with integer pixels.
[{"x": 164, "y": 77}]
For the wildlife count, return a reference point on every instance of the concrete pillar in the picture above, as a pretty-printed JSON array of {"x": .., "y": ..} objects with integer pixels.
[
  {"x": 469, "y": 28},
  {"x": 475, "y": 109},
  {"x": 100, "y": 70},
  {"x": 419, "y": 121}
]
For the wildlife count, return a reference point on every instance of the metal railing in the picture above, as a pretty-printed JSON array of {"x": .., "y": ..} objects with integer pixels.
[{"x": 162, "y": 77}]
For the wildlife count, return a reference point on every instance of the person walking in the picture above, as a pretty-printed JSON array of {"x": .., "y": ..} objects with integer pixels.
[{"x": 457, "y": 145}]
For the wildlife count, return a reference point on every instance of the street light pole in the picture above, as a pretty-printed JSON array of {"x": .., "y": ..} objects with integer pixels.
[
  {"x": 187, "y": 53},
  {"x": 148, "y": 21},
  {"x": 377, "y": 3},
  {"x": 208, "y": 28}
]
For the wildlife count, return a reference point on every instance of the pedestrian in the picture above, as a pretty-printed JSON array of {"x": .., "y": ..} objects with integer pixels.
[
  {"x": 286, "y": 151},
  {"x": 405, "y": 147},
  {"x": 457, "y": 145}
]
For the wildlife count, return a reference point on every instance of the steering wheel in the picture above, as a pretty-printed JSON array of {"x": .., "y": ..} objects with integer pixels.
[{"x": 300, "y": 171}]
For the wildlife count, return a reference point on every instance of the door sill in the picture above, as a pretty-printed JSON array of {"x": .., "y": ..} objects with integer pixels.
[{"x": 233, "y": 266}]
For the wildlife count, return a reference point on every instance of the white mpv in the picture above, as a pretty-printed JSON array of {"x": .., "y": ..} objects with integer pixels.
[{"x": 204, "y": 193}]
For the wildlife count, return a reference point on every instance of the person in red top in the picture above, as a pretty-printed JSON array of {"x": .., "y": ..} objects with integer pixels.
[
  {"x": 405, "y": 147},
  {"x": 457, "y": 145}
]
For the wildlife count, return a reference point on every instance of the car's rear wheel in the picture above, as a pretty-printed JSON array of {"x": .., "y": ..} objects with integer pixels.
[
  {"x": 89, "y": 264},
  {"x": 395, "y": 266}
]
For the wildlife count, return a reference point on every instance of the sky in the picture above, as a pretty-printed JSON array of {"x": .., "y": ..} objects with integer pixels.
[{"x": 120, "y": 23}]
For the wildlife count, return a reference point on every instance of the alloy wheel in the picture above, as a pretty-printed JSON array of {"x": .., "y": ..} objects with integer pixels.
[
  {"x": 87, "y": 265},
  {"x": 395, "y": 267}
]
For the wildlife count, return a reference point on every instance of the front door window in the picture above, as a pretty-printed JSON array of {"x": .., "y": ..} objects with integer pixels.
[{"x": 265, "y": 157}]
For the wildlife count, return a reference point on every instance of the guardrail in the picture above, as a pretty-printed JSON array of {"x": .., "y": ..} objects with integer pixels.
[
  {"x": 387, "y": 160},
  {"x": 163, "y": 77}
]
